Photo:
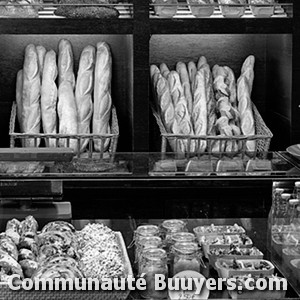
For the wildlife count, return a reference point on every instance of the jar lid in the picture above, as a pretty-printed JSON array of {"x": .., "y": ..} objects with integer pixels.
[
  {"x": 147, "y": 230},
  {"x": 155, "y": 254},
  {"x": 183, "y": 237},
  {"x": 293, "y": 201},
  {"x": 297, "y": 184},
  {"x": 173, "y": 224},
  {"x": 279, "y": 190},
  {"x": 286, "y": 196},
  {"x": 186, "y": 248}
]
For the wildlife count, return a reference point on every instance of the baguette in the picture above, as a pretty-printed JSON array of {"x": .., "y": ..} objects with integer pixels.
[
  {"x": 164, "y": 70},
  {"x": 183, "y": 124},
  {"x": 67, "y": 114},
  {"x": 49, "y": 96},
  {"x": 83, "y": 92},
  {"x": 248, "y": 71},
  {"x": 31, "y": 110},
  {"x": 201, "y": 61},
  {"x": 102, "y": 94},
  {"x": 231, "y": 83},
  {"x": 19, "y": 91},
  {"x": 165, "y": 103},
  {"x": 65, "y": 63},
  {"x": 185, "y": 82},
  {"x": 41, "y": 52},
  {"x": 192, "y": 69},
  {"x": 200, "y": 107}
]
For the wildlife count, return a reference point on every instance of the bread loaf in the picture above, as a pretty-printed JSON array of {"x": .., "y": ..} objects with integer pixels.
[
  {"x": 200, "y": 107},
  {"x": 83, "y": 92},
  {"x": 102, "y": 93},
  {"x": 41, "y": 52},
  {"x": 183, "y": 124},
  {"x": 164, "y": 70},
  {"x": 165, "y": 103},
  {"x": 31, "y": 110},
  {"x": 67, "y": 113},
  {"x": 185, "y": 82},
  {"x": 192, "y": 69},
  {"x": 19, "y": 91},
  {"x": 65, "y": 63},
  {"x": 49, "y": 96}
]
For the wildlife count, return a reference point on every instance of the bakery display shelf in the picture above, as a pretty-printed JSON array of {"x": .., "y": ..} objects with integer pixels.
[
  {"x": 221, "y": 25},
  {"x": 192, "y": 11}
]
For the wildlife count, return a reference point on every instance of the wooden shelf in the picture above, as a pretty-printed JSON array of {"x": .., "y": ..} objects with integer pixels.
[
  {"x": 65, "y": 26},
  {"x": 221, "y": 26}
]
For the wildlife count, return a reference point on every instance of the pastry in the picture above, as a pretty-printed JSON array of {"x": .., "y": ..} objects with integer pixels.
[
  {"x": 58, "y": 226},
  {"x": 83, "y": 92},
  {"x": 26, "y": 254},
  {"x": 28, "y": 227},
  {"x": 31, "y": 110},
  {"x": 102, "y": 95},
  {"x": 30, "y": 244},
  {"x": 13, "y": 230},
  {"x": 29, "y": 267},
  {"x": 7, "y": 245},
  {"x": 49, "y": 97},
  {"x": 8, "y": 267}
]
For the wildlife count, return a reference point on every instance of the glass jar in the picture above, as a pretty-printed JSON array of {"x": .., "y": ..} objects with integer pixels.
[
  {"x": 186, "y": 257},
  {"x": 169, "y": 227},
  {"x": 182, "y": 237},
  {"x": 145, "y": 243},
  {"x": 152, "y": 262},
  {"x": 165, "y": 8}
]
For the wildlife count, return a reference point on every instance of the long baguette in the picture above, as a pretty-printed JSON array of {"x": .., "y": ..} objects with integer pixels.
[
  {"x": 31, "y": 110},
  {"x": 200, "y": 107},
  {"x": 182, "y": 117},
  {"x": 49, "y": 96},
  {"x": 192, "y": 69},
  {"x": 67, "y": 114},
  {"x": 65, "y": 62},
  {"x": 19, "y": 91},
  {"x": 102, "y": 94},
  {"x": 185, "y": 82},
  {"x": 231, "y": 83},
  {"x": 164, "y": 70},
  {"x": 41, "y": 52},
  {"x": 83, "y": 92}
]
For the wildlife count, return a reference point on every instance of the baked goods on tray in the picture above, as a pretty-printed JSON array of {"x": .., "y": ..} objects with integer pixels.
[
  {"x": 58, "y": 251},
  {"x": 20, "y": 8}
]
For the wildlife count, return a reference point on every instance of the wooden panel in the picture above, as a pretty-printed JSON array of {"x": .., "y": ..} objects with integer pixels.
[{"x": 11, "y": 60}]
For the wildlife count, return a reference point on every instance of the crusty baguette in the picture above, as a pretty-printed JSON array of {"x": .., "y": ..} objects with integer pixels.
[
  {"x": 200, "y": 107},
  {"x": 41, "y": 52},
  {"x": 165, "y": 103},
  {"x": 65, "y": 62},
  {"x": 248, "y": 71},
  {"x": 164, "y": 70},
  {"x": 83, "y": 92},
  {"x": 183, "y": 120},
  {"x": 192, "y": 69},
  {"x": 49, "y": 96},
  {"x": 185, "y": 82},
  {"x": 67, "y": 113},
  {"x": 201, "y": 61},
  {"x": 19, "y": 91},
  {"x": 220, "y": 86},
  {"x": 154, "y": 70},
  {"x": 102, "y": 94},
  {"x": 31, "y": 110},
  {"x": 231, "y": 83}
]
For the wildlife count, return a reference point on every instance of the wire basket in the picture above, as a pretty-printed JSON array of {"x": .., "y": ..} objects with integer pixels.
[
  {"x": 16, "y": 138},
  {"x": 262, "y": 138}
]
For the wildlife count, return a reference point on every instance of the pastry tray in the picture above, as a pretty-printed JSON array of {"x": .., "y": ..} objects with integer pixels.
[{"x": 7, "y": 294}]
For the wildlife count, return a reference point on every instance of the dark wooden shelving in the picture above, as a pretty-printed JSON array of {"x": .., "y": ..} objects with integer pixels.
[
  {"x": 221, "y": 26},
  {"x": 65, "y": 26}
]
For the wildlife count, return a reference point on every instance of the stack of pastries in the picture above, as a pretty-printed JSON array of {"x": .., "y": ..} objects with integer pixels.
[
  {"x": 50, "y": 99},
  {"x": 58, "y": 251},
  {"x": 196, "y": 100}
]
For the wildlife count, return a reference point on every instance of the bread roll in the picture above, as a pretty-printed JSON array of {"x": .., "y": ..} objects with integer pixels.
[
  {"x": 49, "y": 97},
  {"x": 65, "y": 63},
  {"x": 165, "y": 103},
  {"x": 185, "y": 82},
  {"x": 182, "y": 117},
  {"x": 83, "y": 92},
  {"x": 19, "y": 92},
  {"x": 31, "y": 110},
  {"x": 41, "y": 51},
  {"x": 102, "y": 93},
  {"x": 200, "y": 107},
  {"x": 67, "y": 113}
]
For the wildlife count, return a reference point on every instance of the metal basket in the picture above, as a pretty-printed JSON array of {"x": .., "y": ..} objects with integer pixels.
[
  {"x": 16, "y": 137},
  {"x": 262, "y": 137}
]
